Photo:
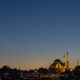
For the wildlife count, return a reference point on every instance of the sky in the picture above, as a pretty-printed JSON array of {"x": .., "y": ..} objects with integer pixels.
[{"x": 33, "y": 33}]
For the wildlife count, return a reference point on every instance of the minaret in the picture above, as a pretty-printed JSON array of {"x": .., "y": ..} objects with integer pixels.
[
  {"x": 78, "y": 62},
  {"x": 64, "y": 58},
  {"x": 67, "y": 55}
]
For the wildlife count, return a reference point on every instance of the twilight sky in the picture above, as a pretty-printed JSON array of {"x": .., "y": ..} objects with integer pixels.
[{"x": 35, "y": 32}]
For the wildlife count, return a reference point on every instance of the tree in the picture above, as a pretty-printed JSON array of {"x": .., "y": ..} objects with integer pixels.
[
  {"x": 77, "y": 72},
  {"x": 43, "y": 70}
]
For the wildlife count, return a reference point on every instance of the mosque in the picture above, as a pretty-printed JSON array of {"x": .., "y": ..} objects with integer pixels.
[{"x": 60, "y": 66}]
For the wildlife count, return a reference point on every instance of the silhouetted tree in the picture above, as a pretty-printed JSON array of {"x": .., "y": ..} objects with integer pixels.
[
  {"x": 43, "y": 70},
  {"x": 77, "y": 72}
]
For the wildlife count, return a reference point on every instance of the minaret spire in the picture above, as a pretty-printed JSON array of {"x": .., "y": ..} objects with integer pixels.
[
  {"x": 77, "y": 62},
  {"x": 67, "y": 55},
  {"x": 66, "y": 60}
]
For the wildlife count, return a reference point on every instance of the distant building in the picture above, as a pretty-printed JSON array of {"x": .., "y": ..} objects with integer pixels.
[{"x": 57, "y": 66}]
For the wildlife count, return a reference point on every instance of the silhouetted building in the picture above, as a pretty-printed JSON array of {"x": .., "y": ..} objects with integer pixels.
[{"x": 57, "y": 66}]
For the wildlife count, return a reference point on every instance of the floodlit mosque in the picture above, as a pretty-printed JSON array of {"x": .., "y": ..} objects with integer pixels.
[{"x": 60, "y": 66}]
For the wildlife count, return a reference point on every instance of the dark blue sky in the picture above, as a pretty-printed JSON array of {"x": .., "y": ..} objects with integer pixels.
[{"x": 35, "y": 32}]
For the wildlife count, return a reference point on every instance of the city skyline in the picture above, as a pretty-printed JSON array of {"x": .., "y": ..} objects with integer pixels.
[{"x": 34, "y": 33}]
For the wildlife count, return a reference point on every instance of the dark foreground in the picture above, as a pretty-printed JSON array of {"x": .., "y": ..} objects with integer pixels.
[
  {"x": 7, "y": 73},
  {"x": 44, "y": 79}
]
